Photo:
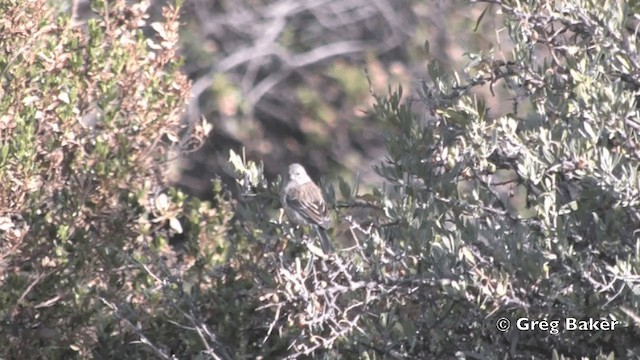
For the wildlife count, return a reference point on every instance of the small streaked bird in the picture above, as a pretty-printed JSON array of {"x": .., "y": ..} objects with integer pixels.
[{"x": 304, "y": 204}]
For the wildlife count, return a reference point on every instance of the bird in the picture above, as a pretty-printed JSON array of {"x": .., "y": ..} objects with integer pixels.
[{"x": 304, "y": 204}]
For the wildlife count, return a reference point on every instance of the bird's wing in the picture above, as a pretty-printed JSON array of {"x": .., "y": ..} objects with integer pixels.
[{"x": 309, "y": 203}]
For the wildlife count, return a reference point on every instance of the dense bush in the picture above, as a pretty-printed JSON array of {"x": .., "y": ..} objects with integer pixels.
[
  {"x": 533, "y": 213},
  {"x": 530, "y": 214},
  {"x": 90, "y": 116}
]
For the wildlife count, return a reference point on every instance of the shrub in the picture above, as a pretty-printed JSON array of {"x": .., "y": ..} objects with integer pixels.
[
  {"x": 531, "y": 214},
  {"x": 484, "y": 216},
  {"x": 90, "y": 117}
]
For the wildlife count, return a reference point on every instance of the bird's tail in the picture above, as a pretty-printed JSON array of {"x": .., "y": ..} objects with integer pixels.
[{"x": 325, "y": 242}]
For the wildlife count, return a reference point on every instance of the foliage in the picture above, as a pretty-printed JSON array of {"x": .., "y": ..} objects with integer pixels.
[
  {"x": 89, "y": 117},
  {"x": 529, "y": 214}
]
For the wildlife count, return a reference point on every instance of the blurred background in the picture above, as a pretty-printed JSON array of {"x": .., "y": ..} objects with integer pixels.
[{"x": 287, "y": 80}]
